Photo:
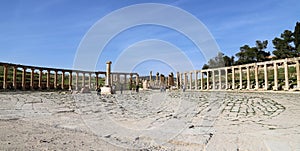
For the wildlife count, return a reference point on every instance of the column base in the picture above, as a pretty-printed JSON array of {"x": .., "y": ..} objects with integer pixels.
[{"x": 106, "y": 90}]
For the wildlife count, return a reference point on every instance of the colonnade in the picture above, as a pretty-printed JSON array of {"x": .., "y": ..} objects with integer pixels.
[
  {"x": 39, "y": 78},
  {"x": 247, "y": 76}
]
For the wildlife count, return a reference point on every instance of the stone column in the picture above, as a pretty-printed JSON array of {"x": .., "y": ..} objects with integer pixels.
[
  {"x": 83, "y": 80},
  {"x": 298, "y": 74},
  {"x": 63, "y": 80},
  {"x": 181, "y": 79},
  {"x": 70, "y": 80},
  {"x": 130, "y": 81},
  {"x": 248, "y": 78},
  {"x": 241, "y": 77},
  {"x": 24, "y": 79},
  {"x": 207, "y": 79},
  {"x": 220, "y": 80},
  {"x": 196, "y": 80},
  {"x": 156, "y": 79},
  {"x": 275, "y": 76},
  {"x": 233, "y": 78},
  {"x": 256, "y": 76},
  {"x": 137, "y": 79},
  {"x": 32, "y": 79},
  {"x": 184, "y": 79},
  {"x": 97, "y": 80},
  {"x": 76, "y": 80},
  {"x": 15, "y": 77},
  {"x": 5, "y": 77},
  {"x": 213, "y": 79},
  {"x": 286, "y": 75},
  {"x": 125, "y": 79},
  {"x": 201, "y": 80},
  {"x": 178, "y": 80},
  {"x": 191, "y": 80},
  {"x": 40, "y": 78},
  {"x": 226, "y": 78},
  {"x": 90, "y": 79},
  {"x": 48, "y": 79},
  {"x": 55, "y": 79},
  {"x": 107, "y": 80},
  {"x": 266, "y": 76},
  {"x": 150, "y": 78}
]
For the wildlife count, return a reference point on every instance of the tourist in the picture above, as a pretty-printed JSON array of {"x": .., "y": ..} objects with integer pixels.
[
  {"x": 137, "y": 89},
  {"x": 98, "y": 91}
]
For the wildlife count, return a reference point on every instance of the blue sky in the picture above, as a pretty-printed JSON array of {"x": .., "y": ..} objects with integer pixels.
[{"x": 48, "y": 33}]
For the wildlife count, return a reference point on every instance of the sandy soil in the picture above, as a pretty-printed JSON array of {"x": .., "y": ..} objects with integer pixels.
[{"x": 150, "y": 120}]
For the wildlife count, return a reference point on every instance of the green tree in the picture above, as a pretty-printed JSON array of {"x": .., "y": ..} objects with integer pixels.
[
  {"x": 297, "y": 37},
  {"x": 283, "y": 45},
  {"x": 261, "y": 54}
]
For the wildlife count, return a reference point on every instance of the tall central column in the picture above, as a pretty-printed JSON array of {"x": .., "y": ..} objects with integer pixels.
[
  {"x": 266, "y": 76},
  {"x": 107, "y": 80},
  {"x": 233, "y": 78},
  {"x": 248, "y": 78},
  {"x": 286, "y": 75},
  {"x": 15, "y": 77},
  {"x": 275, "y": 76},
  {"x": 32, "y": 78}
]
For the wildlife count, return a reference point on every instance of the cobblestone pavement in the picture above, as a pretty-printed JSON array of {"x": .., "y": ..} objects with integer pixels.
[{"x": 150, "y": 120}]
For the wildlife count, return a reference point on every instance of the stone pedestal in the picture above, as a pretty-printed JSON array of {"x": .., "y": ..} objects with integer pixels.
[{"x": 106, "y": 90}]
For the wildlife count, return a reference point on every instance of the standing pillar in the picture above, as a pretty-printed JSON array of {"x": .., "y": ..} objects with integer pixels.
[
  {"x": 248, "y": 78},
  {"x": 63, "y": 80},
  {"x": 55, "y": 79},
  {"x": 184, "y": 79},
  {"x": 213, "y": 79},
  {"x": 125, "y": 79},
  {"x": 181, "y": 79},
  {"x": 15, "y": 77},
  {"x": 178, "y": 80},
  {"x": 107, "y": 80},
  {"x": 207, "y": 79},
  {"x": 76, "y": 80},
  {"x": 5, "y": 77},
  {"x": 196, "y": 80},
  {"x": 220, "y": 80},
  {"x": 150, "y": 78},
  {"x": 90, "y": 79},
  {"x": 298, "y": 74},
  {"x": 241, "y": 77},
  {"x": 266, "y": 76},
  {"x": 201, "y": 80},
  {"x": 24, "y": 79},
  {"x": 256, "y": 76},
  {"x": 233, "y": 78},
  {"x": 191, "y": 80},
  {"x": 70, "y": 80},
  {"x": 40, "y": 78},
  {"x": 32, "y": 79},
  {"x": 83, "y": 80},
  {"x": 137, "y": 79},
  {"x": 130, "y": 81},
  {"x": 48, "y": 79},
  {"x": 226, "y": 78},
  {"x": 156, "y": 79},
  {"x": 286, "y": 75},
  {"x": 275, "y": 76},
  {"x": 97, "y": 80}
]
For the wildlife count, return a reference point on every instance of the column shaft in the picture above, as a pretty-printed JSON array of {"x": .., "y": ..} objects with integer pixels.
[
  {"x": 90, "y": 79},
  {"x": 191, "y": 80},
  {"x": 70, "y": 80},
  {"x": 220, "y": 79},
  {"x": 248, "y": 77},
  {"x": 32, "y": 79},
  {"x": 241, "y": 77},
  {"x": 298, "y": 74},
  {"x": 83, "y": 80},
  {"x": 207, "y": 80},
  {"x": 213, "y": 79},
  {"x": 48, "y": 79},
  {"x": 40, "y": 78},
  {"x": 201, "y": 78},
  {"x": 24, "y": 79},
  {"x": 266, "y": 76},
  {"x": 226, "y": 79},
  {"x": 76, "y": 80},
  {"x": 286, "y": 75},
  {"x": 275, "y": 76},
  {"x": 97, "y": 80},
  {"x": 256, "y": 76},
  {"x": 55, "y": 79},
  {"x": 15, "y": 77},
  {"x": 5, "y": 77},
  {"x": 63, "y": 80},
  {"x": 233, "y": 79},
  {"x": 196, "y": 80}
]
